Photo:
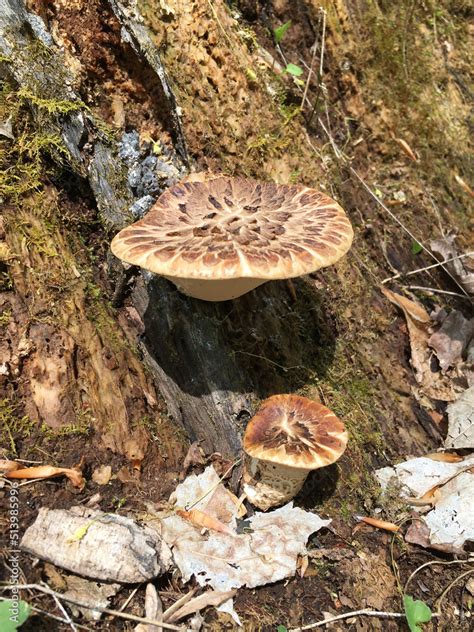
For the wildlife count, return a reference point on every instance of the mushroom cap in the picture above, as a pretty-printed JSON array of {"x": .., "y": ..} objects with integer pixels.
[
  {"x": 295, "y": 431},
  {"x": 216, "y": 227}
]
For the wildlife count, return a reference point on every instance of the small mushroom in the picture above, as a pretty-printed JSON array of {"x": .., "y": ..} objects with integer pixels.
[
  {"x": 217, "y": 238},
  {"x": 287, "y": 438}
]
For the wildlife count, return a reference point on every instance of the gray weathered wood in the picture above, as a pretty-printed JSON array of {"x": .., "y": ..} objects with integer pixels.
[{"x": 102, "y": 546}]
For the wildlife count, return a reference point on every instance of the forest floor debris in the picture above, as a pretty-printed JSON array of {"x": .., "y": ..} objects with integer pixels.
[
  {"x": 442, "y": 491},
  {"x": 258, "y": 550}
]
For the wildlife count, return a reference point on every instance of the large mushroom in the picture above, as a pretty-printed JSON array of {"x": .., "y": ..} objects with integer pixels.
[
  {"x": 217, "y": 238},
  {"x": 287, "y": 438}
]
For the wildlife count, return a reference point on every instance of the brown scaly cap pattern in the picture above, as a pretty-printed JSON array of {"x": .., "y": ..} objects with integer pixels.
[
  {"x": 216, "y": 227},
  {"x": 295, "y": 431}
]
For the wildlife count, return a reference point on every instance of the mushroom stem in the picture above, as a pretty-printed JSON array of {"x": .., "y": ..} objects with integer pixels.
[
  {"x": 215, "y": 290},
  {"x": 271, "y": 484}
]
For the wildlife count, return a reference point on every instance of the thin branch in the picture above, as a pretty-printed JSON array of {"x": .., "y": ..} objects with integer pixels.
[
  {"x": 431, "y": 563},
  {"x": 323, "y": 44},
  {"x": 130, "y": 597},
  {"x": 310, "y": 72},
  {"x": 436, "y": 291},
  {"x": 448, "y": 588},
  {"x": 435, "y": 265},
  {"x": 45, "y": 613},
  {"x": 69, "y": 621},
  {"x": 347, "y": 615},
  {"x": 177, "y": 604},
  {"x": 76, "y": 602}
]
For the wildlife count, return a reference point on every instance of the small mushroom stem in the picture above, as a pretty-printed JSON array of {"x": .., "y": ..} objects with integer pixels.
[{"x": 271, "y": 484}]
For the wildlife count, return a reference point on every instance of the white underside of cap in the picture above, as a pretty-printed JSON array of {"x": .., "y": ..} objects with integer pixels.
[
  {"x": 215, "y": 290},
  {"x": 270, "y": 484}
]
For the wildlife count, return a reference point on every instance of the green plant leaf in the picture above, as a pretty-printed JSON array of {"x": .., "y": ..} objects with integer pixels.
[
  {"x": 416, "y": 612},
  {"x": 282, "y": 628},
  {"x": 416, "y": 248},
  {"x": 280, "y": 31},
  {"x": 294, "y": 70},
  {"x": 12, "y": 614}
]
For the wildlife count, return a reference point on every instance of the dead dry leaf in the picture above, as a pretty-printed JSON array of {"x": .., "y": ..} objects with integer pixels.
[
  {"x": 464, "y": 185},
  {"x": 406, "y": 148},
  {"x": 447, "y": 457},
  {"x": 461, "y": 421},
  {"x": 6, "y": 129},
  {"x": 91, "y": 593},
  {"x": 378, "y": 524},
  {"x": 461, "y": 269},
  {"x": 369, "y": 579},
  {"x": 55, "y": 580},
  {"x": 153, "y": 610},
  {"x": 211, "y": 598},
  {"x": 48, "y": 471},
  {"x": 432, "y": 383},
  {"x": 452, "y": 339},
  {"x": 450, "y": 488},
  {"x": 419, "y": 533},
  {"x": 203, "y": 520},
  {"x": 266, "y": 553},
  {"x": 416, "y": 477},
  {"x": 8, "y": 466},
  {"x": 451, "y": 521}
]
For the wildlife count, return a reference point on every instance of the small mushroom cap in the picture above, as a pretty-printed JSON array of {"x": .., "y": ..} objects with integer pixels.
[
  {"x": 295, "y": 431},
  {"x": 215, "y": 227}
]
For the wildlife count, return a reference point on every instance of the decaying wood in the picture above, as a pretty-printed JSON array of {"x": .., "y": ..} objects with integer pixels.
[{"x": 107, "y": 547}]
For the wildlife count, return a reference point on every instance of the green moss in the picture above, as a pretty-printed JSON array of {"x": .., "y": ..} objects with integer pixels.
[
  {"x": 81, "y": 428},
  {"x": 5, "y": 317},
  {"x": 12, "y": 426},
  {"x": 52, "y": 106},
  {"x": 22, "y": 161}
]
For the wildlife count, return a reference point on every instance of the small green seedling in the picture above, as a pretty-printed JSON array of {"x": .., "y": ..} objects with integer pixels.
[
  {"x": 13, "y": 615},
  {"x": 294, "y": 70},
  {"x": 416, "y": 248},
  {"x": 280, "y": 31},
  {"x": 282, "y": 628},
  {"x": 416, "y": 612}
]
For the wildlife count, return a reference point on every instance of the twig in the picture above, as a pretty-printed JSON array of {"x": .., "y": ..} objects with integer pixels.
[
  {"x": 347, "y": 615},
  {"x": 65, "y": 613},
  {"x": 76, "y": 602},
  {"x": 130, "y": 597},
  {"x": 321, "y": 60},
  {"x": 405, "y": 37},
  {"x": 435, "y": 265},
  {"x": 260, "y": 357},
  {"x": 45, "y": 613},
  {"x": 323, "y": 44},
  {"x": 310, "y": 72},
  {"x": 178, "y": 603},
  {"x": 214, "y": 487},
  {"x": 436, "y": 291},
  {"x": 448, "y": 588},
  {"x": 440, "y": 562}
]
